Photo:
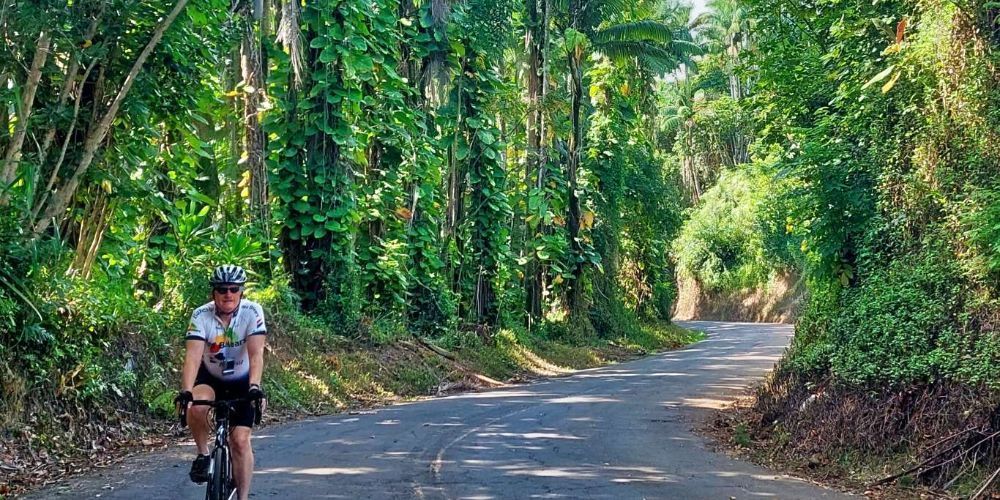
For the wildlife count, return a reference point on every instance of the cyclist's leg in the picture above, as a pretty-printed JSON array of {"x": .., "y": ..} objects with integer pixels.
[
  {"x": 198, "y": 415},
  {"x": 197, "y": 419},
  {"x": 242, "y": 452},
  {"x": 241, "y": 420}
]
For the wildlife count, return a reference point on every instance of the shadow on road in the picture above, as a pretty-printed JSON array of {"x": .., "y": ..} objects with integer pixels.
[{"x": 615, "y": 432}]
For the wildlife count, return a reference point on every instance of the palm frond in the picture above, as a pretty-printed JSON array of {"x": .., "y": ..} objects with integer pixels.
[
  {"x": 597, "y": 11},
  {"x": 687, "y": 47},
  {"x": 289, "y": 35},
  {"x": 647, "y": 30},
  {"x": 671, "y": 123},
  {"x": 559, "y": 5},
  {"x": 655, "y": 58},
  {"x": 701, "y": 20}
]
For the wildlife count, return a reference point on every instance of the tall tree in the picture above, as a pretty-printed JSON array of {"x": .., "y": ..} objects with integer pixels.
[
  {"x": 536, "y": 35},
  {"x": 727, "y": 27},
  {"x": 253, "y": 62},
  {"x": 60, "y": 199},
  {"x": 645, "y": 44}
]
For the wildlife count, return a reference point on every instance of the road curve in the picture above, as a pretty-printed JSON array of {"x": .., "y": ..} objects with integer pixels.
[{"x": 622, "y": 431}]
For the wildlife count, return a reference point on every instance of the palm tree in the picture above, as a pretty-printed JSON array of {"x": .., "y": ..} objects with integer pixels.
[
  {"x": 536, "y": 36},
  {"x": 678, "y": 118},
  {"x": 653, "y": 45},
  {"x": 686, "y": 33},
  {"x": 727, "y": 29},
  {"x": 628, "y": 35}
]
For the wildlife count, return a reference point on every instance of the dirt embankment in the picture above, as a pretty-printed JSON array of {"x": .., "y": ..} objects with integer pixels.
[
  {"x": 776, "y": 302},
  {"x": 921, "y": 441}
]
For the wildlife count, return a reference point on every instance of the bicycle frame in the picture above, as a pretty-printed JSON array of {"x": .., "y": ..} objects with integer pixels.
[{"x": 221, "y": 485}]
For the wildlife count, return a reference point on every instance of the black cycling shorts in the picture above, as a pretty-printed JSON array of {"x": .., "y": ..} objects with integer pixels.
[{"x": 243, "y": 412}]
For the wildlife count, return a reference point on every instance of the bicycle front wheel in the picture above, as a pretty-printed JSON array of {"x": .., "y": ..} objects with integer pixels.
[{"x": 219, "y": 485}]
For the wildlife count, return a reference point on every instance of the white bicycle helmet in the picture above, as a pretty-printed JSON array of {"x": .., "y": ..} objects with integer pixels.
[{"x": 228, "y": 274}]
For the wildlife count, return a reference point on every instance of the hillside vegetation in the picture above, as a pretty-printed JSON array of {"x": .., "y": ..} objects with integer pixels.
[{"x": 873, "y": 172}]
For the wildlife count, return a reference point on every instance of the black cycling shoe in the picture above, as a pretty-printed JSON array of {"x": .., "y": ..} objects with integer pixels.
[{"x": 199, "y": 469}]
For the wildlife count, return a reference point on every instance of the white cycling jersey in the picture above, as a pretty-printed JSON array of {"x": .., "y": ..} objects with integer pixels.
[{"x": 226, "y": 356}]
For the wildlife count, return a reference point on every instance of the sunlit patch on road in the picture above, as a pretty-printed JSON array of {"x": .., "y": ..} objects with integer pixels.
[{"x": 320, "y": 471}]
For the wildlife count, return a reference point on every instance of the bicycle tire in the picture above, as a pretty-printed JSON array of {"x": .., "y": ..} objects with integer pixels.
[{"x": 218, "y": 483}]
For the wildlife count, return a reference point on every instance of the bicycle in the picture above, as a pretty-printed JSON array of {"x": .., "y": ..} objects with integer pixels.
[{"x": 221, "y": 485}]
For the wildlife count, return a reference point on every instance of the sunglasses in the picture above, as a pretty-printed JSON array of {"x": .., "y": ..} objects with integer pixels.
[{"x": 221, "y": 290}]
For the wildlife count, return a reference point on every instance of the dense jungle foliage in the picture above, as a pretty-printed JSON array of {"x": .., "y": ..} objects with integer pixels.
[
  {"x": 873, "y": 171},
  {"x": 472, "y": 173},
  {"x": 482, "y": 173}
]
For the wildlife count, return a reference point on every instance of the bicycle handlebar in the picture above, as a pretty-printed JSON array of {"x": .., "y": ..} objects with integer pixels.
[{"x": 220, "y": 403}]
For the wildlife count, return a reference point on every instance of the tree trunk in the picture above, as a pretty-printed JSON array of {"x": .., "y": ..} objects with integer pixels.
[
  {"x": 50, "y": 134},
  {"x": 533, "y": 47},
  {"x": 13, "y": 155},
  {"x": 575, "y": 292},
  {"x": 60, "y": 200},
  {"x": 69, "y": 84},
  {"x": 54, "y": 174},
  {"x": 254, "y": 145},
  {"x": 481, "y": 240},
  {"x": 91, "y": 234},
  {"x": 453, "y": 208},
  {"x": 536, "y": 75}
]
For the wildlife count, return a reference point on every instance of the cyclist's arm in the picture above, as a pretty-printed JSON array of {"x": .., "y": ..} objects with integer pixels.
[
  {"x": 192, "y": 361},
  {"x": 255, "y": 350}
]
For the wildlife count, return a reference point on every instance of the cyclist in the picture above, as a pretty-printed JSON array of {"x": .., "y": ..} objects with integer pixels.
[{"x": 224, "y": 359}]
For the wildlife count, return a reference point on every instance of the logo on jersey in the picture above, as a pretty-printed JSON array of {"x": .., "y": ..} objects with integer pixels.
[{"x": 224, "y": 339}]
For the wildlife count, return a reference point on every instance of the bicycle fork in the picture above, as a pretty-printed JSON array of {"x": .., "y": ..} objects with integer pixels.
[{"x": 221, "y": 471}]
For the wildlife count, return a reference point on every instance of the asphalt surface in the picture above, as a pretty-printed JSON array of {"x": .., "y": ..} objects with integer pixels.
[{"x": 622, "y": 431}]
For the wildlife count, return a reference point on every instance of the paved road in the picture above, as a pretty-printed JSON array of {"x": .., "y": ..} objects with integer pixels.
[{"x": 621, "y": 431}]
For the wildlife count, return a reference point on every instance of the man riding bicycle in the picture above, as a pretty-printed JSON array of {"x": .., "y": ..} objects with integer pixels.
[{"x": 224, "y": 360}]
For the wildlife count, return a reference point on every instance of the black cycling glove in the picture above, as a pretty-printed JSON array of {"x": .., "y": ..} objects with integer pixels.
[
  {"x": 256, "y": 393},
  {"x": 183, "y": 398},
  {"x": 181, "y": 402}
]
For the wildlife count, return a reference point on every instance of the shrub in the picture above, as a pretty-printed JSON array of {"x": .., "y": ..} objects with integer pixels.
[
  {"x": 721, "y": 244},
  {"x": 898, "y": 327}
]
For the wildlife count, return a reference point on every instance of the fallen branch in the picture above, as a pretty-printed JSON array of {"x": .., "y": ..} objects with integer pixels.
[
  {"x": 926, "y": 463},
  {"x": 913, "y": 469},
  {"x": 469, "y": 372},
  {"x": 986, "y": 484},
  {"x": 437, "y": 349}
]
